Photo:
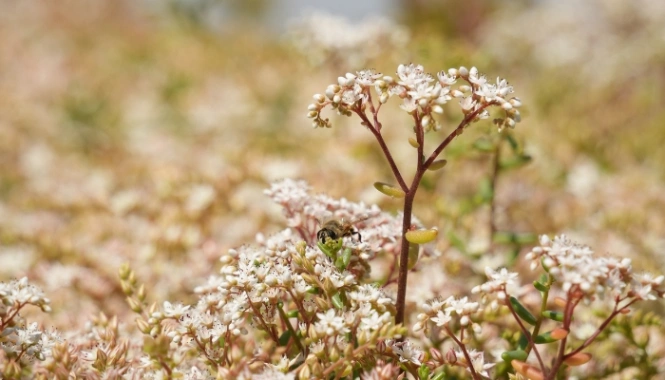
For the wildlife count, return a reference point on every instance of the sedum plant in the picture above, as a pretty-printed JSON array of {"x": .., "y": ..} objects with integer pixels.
[{"x": 423, "y": 97}]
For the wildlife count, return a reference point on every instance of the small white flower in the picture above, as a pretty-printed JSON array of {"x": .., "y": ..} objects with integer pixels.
[
  {"x": 174, "y": 311},
  {"x": 477, "y": 362},
  {"x": 330, "y": 324},
  {"x": 442, "y": 318},
  {"x": 407, "y": 352}
]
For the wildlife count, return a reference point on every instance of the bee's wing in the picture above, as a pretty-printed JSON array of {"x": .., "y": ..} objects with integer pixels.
[{"x": 359, "y": 219}]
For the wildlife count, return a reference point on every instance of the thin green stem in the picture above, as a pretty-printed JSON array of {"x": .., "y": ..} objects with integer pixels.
[
  {"x": 494, "y": 176},
  {"x": 458, "y": 131},
  {"x": 375, "y": 128},
  {"x": 528, "y": 335},
  {"x": 600, "y": 329},
  {"x": 540, "y": 318},
  {"x": 462, "y": 347},
  {"x": 344, "y": 360},
  {"x": 285, "y": 319}
]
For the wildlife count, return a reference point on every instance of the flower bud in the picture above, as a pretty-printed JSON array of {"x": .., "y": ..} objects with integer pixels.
[
  {"x": 124, "y": 271},
  {"x": 332, "y": 90},
  {"x": 426, "y": 120},
  {"x": 304, "y": 373},
  {"x": 473, "y": 72},
  {"x": 334, "y": 354},
  {"x": 381, "y": 347},
  {"x": 451, "y": 357},
  {"x": 457, "y": 94},
  {"x": 384, "y": 97},
  {"x": 436, "y": 355},
  {"x": 134, "y": 305}
]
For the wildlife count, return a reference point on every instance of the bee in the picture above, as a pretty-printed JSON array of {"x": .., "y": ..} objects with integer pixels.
[{"x": 335, "y": 229}]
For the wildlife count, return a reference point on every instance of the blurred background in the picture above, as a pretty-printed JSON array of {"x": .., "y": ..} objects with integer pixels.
[{"x": 146, "y": 131}]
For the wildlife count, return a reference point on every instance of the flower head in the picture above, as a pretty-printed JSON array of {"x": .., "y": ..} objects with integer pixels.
[{"x": 421, "y": 93}]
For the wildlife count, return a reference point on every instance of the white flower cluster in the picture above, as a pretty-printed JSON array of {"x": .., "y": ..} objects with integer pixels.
[
  {"x": 497, "y": 284},
  {"x": 579, "y": 271},
  {"x": 17, "y": 338},
  {"x": 282, "y": 271},
  {"x": 29, "y": 341},
  {"x": 441, "y": 312},
  {"x": 421, "y": 94},
  {"x": 18, "y": 293},
  {"x": 305, "y": 212}
]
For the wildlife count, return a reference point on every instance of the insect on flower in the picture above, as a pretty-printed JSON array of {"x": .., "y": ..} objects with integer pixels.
[{"x": 335, "y": 229}]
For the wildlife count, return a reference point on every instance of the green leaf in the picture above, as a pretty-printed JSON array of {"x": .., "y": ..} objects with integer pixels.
[
  {"x": 423, "y": 372},
  {"x": 520, "y": 355},
  {"x": 511, "y": 140},
  {"x": 337, "y": 301},
  {"x": 485, "y": 192},
  {"x": 553, "y": 315},
  {"x": 522, "y": 342},
  {"x": 389, "y": 190},
  {"x": 526, "y": 238},
  {"x": 483, "y": 144},
  {"x": 293, "y": 314},
  {"x": 544, "y": 338},
  {"x": 284, "y": 338},
  {"x": 439, "y": 376},
  {"x": 414, "y": 250},
  {"x": 343, "y": 260},
  {"x": 540, "y": 286},
  {"x": 515, "y": 162},
  {"x": 421, "y": 236},
  {"x": 455, "y": 241},
  {"x": 314, "y": 290},
  {"x": 346, "y": 257},
  {"x": 502, "y": 237},
  {"x": 552, "y": 336},
  {"x": 436, "y": 165},
  {"x": 522, "y": 311}
]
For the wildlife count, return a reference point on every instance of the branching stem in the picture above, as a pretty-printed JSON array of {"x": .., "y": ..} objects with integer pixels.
[{"x": 422, "y": 165}]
